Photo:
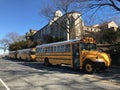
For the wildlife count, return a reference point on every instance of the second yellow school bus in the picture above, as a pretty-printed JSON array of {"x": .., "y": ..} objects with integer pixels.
[
  {"x": 79, "y": 54},
  {"x": 26, "y": 54}
]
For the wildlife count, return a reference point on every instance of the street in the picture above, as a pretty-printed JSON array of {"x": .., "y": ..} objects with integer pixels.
[{"x": 20, "y": 75}]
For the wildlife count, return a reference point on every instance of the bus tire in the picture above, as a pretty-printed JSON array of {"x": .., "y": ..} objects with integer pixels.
[
  {"x": 46, "y": 62},
  {"x": 20, "y": 58},
  {"x": 89, "y": 67},
  {"x": 27, "y": 59},
  {"x": 9, "y": 57}
]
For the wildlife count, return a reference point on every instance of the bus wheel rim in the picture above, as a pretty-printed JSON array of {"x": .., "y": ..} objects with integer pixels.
[{"x": 89, "y": 67}]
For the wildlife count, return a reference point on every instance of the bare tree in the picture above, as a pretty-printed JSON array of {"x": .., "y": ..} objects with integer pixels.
[
  {"x": 4, "y": 45},
  {"x": 14, "y": 37},
  {"x": 48, "y": 12},
  {"x": 112, "y": 3},
  {"x": 10, "y": 38},
  {"x": 65, "y": 6},
  {"x": 100, "y": 10}
]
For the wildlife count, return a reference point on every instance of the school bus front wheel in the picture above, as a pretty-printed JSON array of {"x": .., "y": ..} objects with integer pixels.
[{"x": 89, "y": 67}]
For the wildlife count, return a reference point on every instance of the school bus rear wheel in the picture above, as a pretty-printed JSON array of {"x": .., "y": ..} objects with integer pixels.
[{"x": 46, "y": 62}]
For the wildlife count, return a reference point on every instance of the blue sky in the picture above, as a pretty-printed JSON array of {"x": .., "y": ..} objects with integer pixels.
[{"x": 20, "y": 15}]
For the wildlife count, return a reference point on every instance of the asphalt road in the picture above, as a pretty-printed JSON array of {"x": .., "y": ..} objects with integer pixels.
[{"x": 20, "y": 75}]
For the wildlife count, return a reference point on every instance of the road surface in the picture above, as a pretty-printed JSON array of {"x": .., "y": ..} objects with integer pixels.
[{"x": 20, "y": 75}]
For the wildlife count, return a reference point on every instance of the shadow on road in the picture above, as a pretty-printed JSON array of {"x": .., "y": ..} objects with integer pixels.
[
  {"x": 40, "y": 66},
  {"x": 112, "y": 74}
]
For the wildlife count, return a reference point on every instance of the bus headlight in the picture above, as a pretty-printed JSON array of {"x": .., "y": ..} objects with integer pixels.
[{"x": 99, "y": 60}]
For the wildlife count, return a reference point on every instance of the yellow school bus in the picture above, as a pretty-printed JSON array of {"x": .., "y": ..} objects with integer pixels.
[
  {"x": 12, "y": 54},
  {"x": 79, "y": 54},
  {"x": 26, "y": 54}
]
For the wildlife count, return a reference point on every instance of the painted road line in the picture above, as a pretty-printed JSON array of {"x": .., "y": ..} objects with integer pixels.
[{"x": 4, "y": 84}]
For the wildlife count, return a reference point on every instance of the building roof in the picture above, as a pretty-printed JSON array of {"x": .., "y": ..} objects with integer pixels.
[{"x": 104, "y": 24}]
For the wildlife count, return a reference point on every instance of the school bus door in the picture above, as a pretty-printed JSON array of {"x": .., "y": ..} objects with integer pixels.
[{"x": 75, "y": 55}]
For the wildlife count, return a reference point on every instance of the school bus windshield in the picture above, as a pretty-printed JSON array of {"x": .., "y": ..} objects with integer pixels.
[
  {"x": 32, "y": 52},
  {"x": 87, "y": 46}
]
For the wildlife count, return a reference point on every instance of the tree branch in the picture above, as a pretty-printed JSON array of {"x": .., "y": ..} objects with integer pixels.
[
  {"x": 112, "y": 4},
  {"x": 118, "y": 0},
  {"x": 115, "y": 6}
]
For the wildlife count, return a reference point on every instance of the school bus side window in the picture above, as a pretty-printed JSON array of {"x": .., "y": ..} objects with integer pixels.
[
  {"x": 49, "y": 49},
  {"x": 54, "y": 49},
  {"x": 38, "y": 50},
  {"x": 62, "y": 48},
  {"x": 67, "y": 48},
  {"x": 41, "y": 49},
  {"x": 58, "y": 48},
  {"x": 45, "y": 49}
]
